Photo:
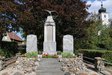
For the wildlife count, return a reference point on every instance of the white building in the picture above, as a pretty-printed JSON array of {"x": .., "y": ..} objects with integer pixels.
[{"x": 103, "y": 16}]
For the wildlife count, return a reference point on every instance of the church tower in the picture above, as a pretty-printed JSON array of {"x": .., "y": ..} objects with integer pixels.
[{"x": 103, "y": 15}]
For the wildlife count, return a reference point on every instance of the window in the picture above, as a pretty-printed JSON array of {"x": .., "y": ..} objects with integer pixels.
[
  {"x": 104, "y": 16},
  {"x": 99, "y": 17}
]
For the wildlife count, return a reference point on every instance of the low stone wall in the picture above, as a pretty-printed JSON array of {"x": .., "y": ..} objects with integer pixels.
[
  {"x": 22, "y": 66},
  {"x": 75, "y": 66}
]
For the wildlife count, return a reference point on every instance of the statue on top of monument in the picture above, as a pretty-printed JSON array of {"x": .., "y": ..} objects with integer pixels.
[{"x": 50, "y": 12}]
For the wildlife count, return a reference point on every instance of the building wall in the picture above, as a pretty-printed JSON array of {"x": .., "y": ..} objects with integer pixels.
[
  {"x": 104, "y": 18},
  {"x": 6, "y": 38}
]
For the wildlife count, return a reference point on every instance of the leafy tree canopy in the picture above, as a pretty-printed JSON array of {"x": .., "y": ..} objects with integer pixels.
[{"x": 30, "y": 15}]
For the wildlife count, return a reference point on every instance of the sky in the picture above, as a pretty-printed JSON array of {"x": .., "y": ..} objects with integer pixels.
[{"x": 96, "y": 4}]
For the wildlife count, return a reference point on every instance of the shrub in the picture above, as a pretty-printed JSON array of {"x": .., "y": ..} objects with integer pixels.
[
  {"x": 32, "y": 54},
  {"x": 8, "y": 49},
  {"x": 92, "y": 53},
  {"x": 6, "y": 53},
  {"x": 106, "y": 54},
  {"x": 2, "y": 52},
  {"x": 67, "y": 55}
]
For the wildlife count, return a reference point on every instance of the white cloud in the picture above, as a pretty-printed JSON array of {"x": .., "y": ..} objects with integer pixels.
[{"x": 95, "y": 6}]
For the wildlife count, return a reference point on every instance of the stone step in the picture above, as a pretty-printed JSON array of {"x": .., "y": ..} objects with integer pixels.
[
  {"x": 50, "y": 73},
  {"x": 51, "y": 70},
  {"x": 49, "y": 66}
]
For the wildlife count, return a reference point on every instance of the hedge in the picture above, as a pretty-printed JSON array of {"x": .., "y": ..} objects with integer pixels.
[
  {"x": 8, "y": 49},
  {"x": 106, "y": 54}
]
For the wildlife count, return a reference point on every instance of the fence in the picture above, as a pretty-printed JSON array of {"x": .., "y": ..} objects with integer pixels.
[{"x": 98, "y": 63}]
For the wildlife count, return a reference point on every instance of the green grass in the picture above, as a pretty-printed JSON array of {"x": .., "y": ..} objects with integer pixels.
[
  {"x": 67, "y": 54},
  {"x": 31, "y": 54}
]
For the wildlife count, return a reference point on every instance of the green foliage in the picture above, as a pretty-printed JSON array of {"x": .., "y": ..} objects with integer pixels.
[
  {"x": 9, "y": 49},
  {"x": 2, "y": 52},
  {"x": 92, "y": 53},
  {"x": 106, "y": 54},
  {"x": 105, "y": 39},
  {"x": 68, "y": 21},
  {"x": 6, "y": 53},
  {"x": 67, "y": 55},
  {"x": 97, "y": 36},
  {"x": 91, "y": 39},
  {"x": 31, "y": 16},
  {"x": 31, "y": 55}
]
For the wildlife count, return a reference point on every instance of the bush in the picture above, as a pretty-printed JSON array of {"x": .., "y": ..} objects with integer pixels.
[
  {"x": 92, "y": 53},
  {"x": 2, "y": 52},
  {"x": 8, "y": 49},
  {"x": 106, "y": 54},
  {"x": 31, "y": 54},
  {"x": 67, "y": 55}
]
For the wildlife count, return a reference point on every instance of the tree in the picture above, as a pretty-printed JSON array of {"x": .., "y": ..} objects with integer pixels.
[
  {"x": 69, "y": 16},
  {"x": 98, "y": 36},
  {"x": 13, "y": 15},
  {"x": 30, "y": 15},
  {"x": 106, "y": 39}
]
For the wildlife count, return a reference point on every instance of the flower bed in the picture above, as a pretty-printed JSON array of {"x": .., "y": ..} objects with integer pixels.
[{"x": 46, "y": 55}]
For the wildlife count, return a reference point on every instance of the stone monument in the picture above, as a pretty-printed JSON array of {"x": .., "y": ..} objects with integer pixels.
[
  {"x": 49, "y": 45},
  {"x": 68, "y": 45},
  {"x": 31, "y": 43}
]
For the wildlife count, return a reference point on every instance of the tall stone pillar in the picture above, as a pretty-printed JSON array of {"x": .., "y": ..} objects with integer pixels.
[{"x": 49, "y": 45}]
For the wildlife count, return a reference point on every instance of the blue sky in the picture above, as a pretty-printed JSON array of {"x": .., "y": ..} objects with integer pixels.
[
  {"x": 91, "y": 0},
  {"x": 96, "y": 4}
]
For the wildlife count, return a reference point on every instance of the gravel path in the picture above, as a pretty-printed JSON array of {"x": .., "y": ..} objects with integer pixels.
[{"x": 49, "y": 66}]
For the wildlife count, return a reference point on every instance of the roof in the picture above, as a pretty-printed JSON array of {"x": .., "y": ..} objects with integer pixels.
[
  {"x": 13, "y": 36},
  {"x": 102, "y": 9}
]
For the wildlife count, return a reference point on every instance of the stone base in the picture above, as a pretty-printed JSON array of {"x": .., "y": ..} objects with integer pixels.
[{"x": 49, "y": 48}]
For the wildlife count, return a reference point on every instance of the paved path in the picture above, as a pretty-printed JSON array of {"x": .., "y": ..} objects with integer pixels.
[{"x": 49, "y": 66}]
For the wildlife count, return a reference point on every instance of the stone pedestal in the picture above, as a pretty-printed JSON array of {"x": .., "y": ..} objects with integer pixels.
[
  {"x": 50, "y": 48},
  {"x": 49, "y": 45}
]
